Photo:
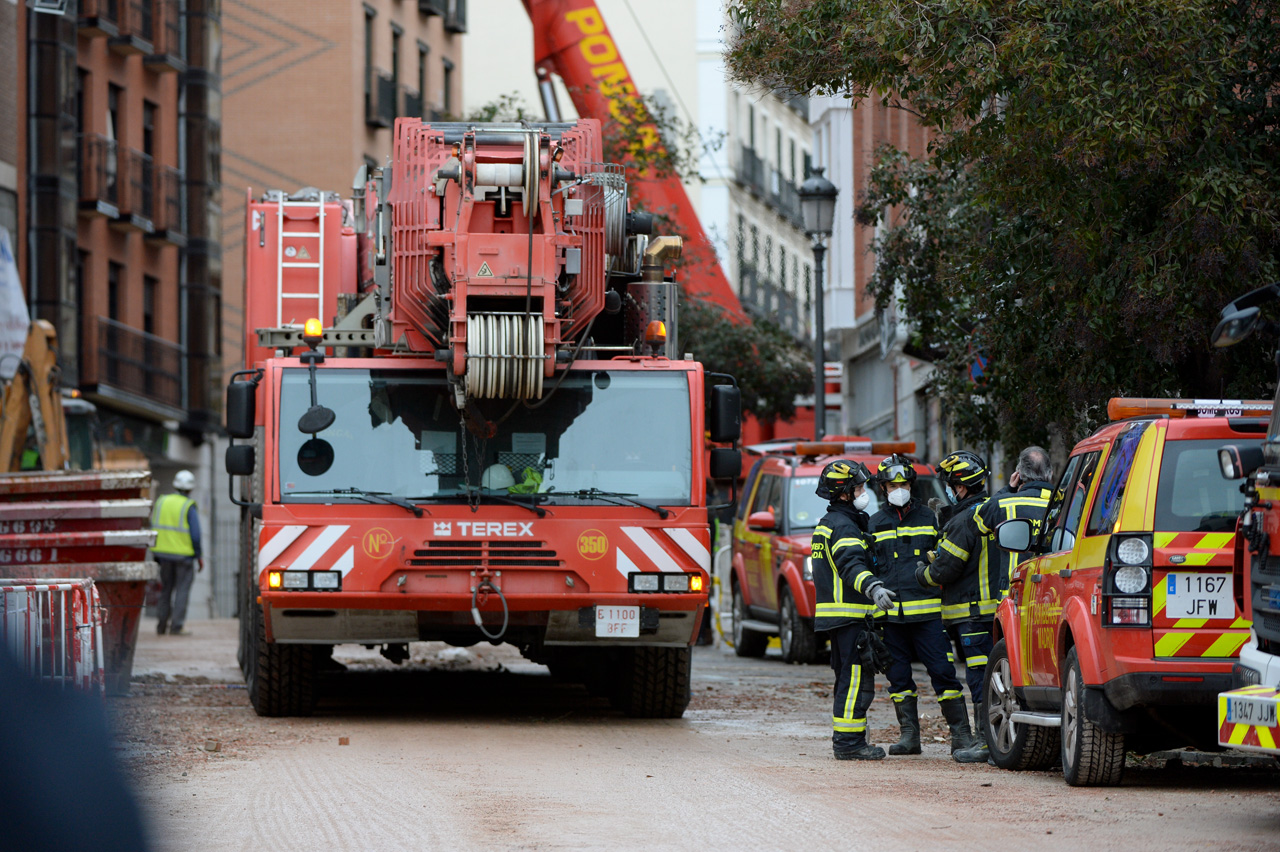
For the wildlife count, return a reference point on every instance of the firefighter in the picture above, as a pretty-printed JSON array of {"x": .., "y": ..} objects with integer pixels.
[
  {"x": 847, "y": 595},
  {"x": 970, "y": 578},
  {"x": 1026, "y": 497},
  {"x": 177, "y": 549},
  {"x": 904, "y": 532}
]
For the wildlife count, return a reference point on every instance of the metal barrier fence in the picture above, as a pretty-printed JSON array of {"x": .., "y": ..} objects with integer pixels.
[{"x": 55, "y": 631}]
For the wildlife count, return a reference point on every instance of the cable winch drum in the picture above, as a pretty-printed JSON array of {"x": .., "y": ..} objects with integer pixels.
[
  {"x": 504, "y": 356},
  {"x": 613, "y": 189}
]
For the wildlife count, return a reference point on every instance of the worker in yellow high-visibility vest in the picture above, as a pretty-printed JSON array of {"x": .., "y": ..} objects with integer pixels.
[{"x": 177, "y": 524}]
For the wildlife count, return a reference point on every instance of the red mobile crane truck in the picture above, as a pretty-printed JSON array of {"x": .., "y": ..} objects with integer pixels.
[{"x": 490, "y": 436}]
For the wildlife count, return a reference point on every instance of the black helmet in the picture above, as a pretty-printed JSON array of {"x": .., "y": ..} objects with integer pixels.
[
  {"x": 840, "y": 477},
  {"x": 896, "y": 468},
  {"x": 964, "y": 468}
]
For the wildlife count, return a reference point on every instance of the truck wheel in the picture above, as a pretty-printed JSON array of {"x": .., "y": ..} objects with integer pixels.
[
  {"x": 655, "y": 683},
  {"x": 746, "y": 642},
  {"x": 1012, "y": 745},
  {"x": 282, "y": 678},
  {"x": 799, "y": 644},
  {"x": 1090, "y": 756}
]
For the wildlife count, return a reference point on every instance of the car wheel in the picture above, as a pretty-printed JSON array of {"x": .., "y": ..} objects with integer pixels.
[
  {"x": 1012, "y": 745},
  {"x": 746, "y": 642},
  {"x": 799, "y": 644},
  {"x": 1091, "y": 757}
]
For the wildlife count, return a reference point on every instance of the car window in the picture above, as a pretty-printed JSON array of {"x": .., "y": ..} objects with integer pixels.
[
  {"x": 1106, "y": 509},
  {"x": 744, "y": 499},
  {"x": 1192, "y": 495},
  {"x": 805, "y": 508},
  {"x": 1074, "y": 495},
  {"x": 768, "y": 495}
]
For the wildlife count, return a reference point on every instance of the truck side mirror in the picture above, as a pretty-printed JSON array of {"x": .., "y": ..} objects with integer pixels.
[
  {"x": 1014, "y": 535},
  {"x": 725, "y": 463},
  {"x": 241, "y": 459},
  {"x": 762, "y": 521},
  {"x": 241, "y": 404},
  {"x": 724, "y": 414}
]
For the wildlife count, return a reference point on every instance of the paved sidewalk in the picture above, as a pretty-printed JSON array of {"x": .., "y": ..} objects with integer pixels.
[{"x": 208, "y": 653}]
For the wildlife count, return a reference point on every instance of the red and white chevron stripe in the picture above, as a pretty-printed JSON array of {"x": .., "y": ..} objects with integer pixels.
[
  {"x": 646, "y": 549},
  {"x": 298, "y": 547}
]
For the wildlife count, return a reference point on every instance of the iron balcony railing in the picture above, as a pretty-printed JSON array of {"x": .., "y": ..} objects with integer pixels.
[
  {"x": 99, "y": 174},
  {"x": 138, "y": 195},
  {"x": 99, "y": 17},
  {"x": 750, "y": 170},
  {"x": 380, "y": 99},
  {"x": 170, "y": 207},
  {"x": 412, "y": 103},
  {"x": 432, "y": 7},
  {"x": 139, "y": 363},
  {"x": 455, "y": 17},
  {"x": 765, "y": 299},
  {"x": 136, "y": 27},
  {"x": 168, "y": 52}
]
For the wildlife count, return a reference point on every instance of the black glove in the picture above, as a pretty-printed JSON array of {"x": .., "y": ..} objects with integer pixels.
[{"x": 871, "y": 650}]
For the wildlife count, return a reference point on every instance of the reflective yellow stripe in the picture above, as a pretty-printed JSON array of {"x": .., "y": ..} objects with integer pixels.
[
  {"x": 837, "y": 610},
  {"x": 922, "y": 607},
  {"x": 952, "y": 611},
  {"x": 988, "y": 607},
  {"x": 885, "y": 535},
  {"x": 860, "y": 581},
  {"x": 1265, "y": 738},
  {"x": 1226, "y": 645},
  {"x": 1169, "y": 644},
  {"x": 903, "y": 531},
  {"x": 976, "y": 661},
  {"x": 898, "y": 696},
  {"x": 848, "y": 726},
  {"x": 951, "y": 695},
  {"x": 855, "y": 680},
  {"x": 848, "y": 542},
  {"x": 957, "y": 552}
]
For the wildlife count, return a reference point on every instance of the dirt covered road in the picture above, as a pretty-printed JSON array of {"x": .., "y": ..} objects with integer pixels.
[{"x": 478, "y": 749}]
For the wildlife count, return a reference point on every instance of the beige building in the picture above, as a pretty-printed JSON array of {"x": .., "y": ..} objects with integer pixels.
[{"x": 310, "y": 92}]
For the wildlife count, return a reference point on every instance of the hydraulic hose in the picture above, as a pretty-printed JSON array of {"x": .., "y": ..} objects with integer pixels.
[{"x": 475, "y": 610}]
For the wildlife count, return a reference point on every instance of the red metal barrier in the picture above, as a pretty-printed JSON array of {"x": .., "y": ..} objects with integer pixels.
[{"x": 55, "y": 631}]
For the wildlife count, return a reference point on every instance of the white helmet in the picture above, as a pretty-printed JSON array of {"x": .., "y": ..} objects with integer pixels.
[
  {"x": 184, "y": 480},
  {"x": 497, "y": 476}
]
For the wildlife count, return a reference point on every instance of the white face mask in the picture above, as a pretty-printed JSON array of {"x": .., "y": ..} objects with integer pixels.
[
  {"x": 951, "y": 495},
  {"x": 900, "y": 496},
  {"x": 861, "y": 501}
]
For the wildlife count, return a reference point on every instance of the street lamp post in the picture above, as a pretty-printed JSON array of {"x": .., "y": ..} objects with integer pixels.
[{"x": 818, "y": 206}]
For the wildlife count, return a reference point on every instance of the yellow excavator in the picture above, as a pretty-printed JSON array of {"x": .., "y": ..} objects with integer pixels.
[{"x": 32, "y": 402}]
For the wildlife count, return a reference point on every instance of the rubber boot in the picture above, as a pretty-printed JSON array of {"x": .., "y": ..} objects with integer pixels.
[
  {"x": 908, "y": 726},
  {"x": 957, "y": 716},
  {"x": 866, "y": 751},
  {"x": 978, "y": 753}
]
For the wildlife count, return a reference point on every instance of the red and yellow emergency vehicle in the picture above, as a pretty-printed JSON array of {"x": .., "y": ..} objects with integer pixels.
[
  {"x": 489, "y": 437},
  {"x": 1121, "y": 630}
]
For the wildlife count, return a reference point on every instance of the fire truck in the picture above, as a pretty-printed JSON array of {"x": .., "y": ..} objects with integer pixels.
[{"x": 463, "y": 417}]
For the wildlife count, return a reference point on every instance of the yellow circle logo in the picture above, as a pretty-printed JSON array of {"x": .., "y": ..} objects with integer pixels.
[
  {"x": 378, "y": 543},
  {"x": 593, "y": 544}
]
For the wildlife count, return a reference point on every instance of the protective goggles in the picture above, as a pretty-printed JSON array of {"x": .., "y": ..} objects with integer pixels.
[{"x": 896, "y": 473}]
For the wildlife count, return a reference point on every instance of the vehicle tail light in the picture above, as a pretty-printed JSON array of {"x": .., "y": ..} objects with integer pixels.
[{"x": 1126, "y": 581}]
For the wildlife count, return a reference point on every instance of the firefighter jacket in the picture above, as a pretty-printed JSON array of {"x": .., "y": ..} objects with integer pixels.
[
  {"x": 970, "y": 587},
  {"x": 842, "y": 567},
  {"x": 903, "y": 537},
  {"x": 1030, "y": 501}
]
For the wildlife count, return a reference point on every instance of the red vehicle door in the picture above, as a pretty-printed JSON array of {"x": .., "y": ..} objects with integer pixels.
[{"x": 758, "y": 552}]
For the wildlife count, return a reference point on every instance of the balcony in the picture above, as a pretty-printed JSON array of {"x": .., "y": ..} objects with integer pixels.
[
  {"x": 98, "y": 176},
  {"x": 168, "y": 51},
  {"x": 750, "y": 170},
  {"x": 764, "y": 299},
  {"x": 432, "y": 7},
  {"x": 380, "y": 99},
  {"x": 412, "y": 103},
  {"x": 139, "y": 370},
  {"x": 455, "y": 16},
  {"x": 785, "y": 198},
  {"x": 136, "y": 24},
  {"x": 99, "y": 18},
  {"x": 169, "y": 225},
  {"x": 136, "y": 187}
]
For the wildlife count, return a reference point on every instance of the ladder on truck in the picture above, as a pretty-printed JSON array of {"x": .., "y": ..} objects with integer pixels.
[{"x": 284, "y": 262}]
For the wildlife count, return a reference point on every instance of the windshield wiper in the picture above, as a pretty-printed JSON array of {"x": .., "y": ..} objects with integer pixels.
[
  {"x": 616, "y": 497},
  {"x": 370, "y": 496},
  {"x": 531, "y": 504}
]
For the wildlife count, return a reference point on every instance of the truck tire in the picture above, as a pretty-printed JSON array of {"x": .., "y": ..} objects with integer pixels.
[
  {"x": 1012, "y": 745},
  {"x": 1090, "y": 756},
  {"x": 655, "y": 683},
  {"x": 282, "y": 679},
  {"x": 799, "y": 643},
  {"x": 746, "y": 642}
]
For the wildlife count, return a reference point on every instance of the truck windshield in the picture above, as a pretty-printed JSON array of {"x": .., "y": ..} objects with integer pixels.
[
  {"x": 397, "y": 432},
  {"x": 1192, "y": 495}
]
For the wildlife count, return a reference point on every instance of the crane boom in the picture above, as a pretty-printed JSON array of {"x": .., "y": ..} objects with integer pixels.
[{"x": 572, "y": 40}]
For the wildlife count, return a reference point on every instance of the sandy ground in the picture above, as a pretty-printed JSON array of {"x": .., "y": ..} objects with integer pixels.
[{"x": 479, "y": 749}]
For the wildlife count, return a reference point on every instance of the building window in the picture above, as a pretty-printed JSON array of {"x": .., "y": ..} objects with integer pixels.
[
  {"x": 424, "y": 51},
  {"x": 369, "y": 14},
  {"x": 777, "y": 147},
  {"x": 751, "y": 126},
  {"x": 791, "y": 160},
  {"x": 113, "y": 113},
  {"x": 150, "y": 286},
  {"x": 808, "y": 165},
  {"x": 396, "y": 32},
  {"x": 149, "y": 128},
  {"x": 447, "y": 99},
  {"x": 114, "y": 273}
]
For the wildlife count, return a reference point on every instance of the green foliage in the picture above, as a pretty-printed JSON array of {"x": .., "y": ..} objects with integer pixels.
[
  {"x": 1102, "y": 179},
  {"x": 771, "y": 367}
]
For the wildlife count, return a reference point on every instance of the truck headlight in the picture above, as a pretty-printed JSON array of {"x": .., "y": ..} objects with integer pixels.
[
  {"x": 644, "y": 582},
  {"x": 295, "y": 579},
  {"x": 675, "y": 582}
]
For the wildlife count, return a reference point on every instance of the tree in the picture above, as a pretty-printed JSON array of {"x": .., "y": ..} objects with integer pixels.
[{"x": 1103, "y": 180}]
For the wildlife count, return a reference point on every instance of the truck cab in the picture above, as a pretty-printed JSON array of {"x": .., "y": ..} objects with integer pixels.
[{"x": 1121, "y": 629}]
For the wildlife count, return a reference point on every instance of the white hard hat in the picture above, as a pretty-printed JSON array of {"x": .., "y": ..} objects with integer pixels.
[
  {"x": 184, "y": 480},
  {"x": 497, "y": 476}
]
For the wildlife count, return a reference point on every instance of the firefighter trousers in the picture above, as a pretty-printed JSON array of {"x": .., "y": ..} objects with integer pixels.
[
  {"x": 927, "y": 642},
  {"x": 855, "y": 687},
  {"x": 975, "y": 647}
]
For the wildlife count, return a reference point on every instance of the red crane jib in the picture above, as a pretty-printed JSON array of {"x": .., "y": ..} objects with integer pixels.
[
  {"x": 571, "y": 39},
  {"x": 464, "y": 244}
]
